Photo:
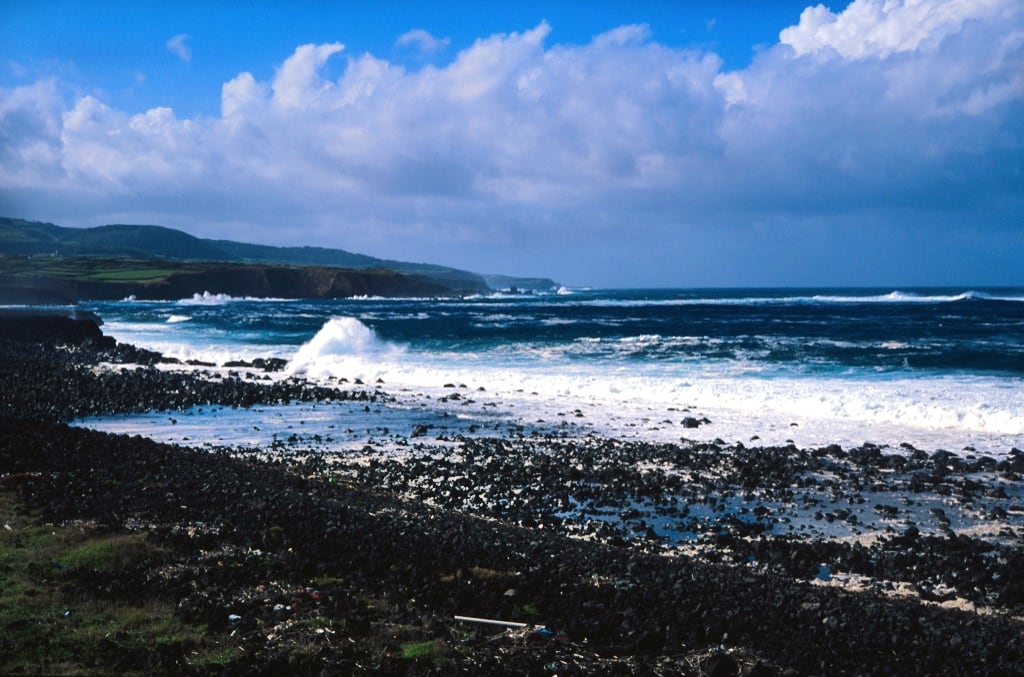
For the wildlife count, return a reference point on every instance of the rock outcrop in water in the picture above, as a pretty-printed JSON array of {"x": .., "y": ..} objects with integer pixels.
[{"x": 55, "y": 327}]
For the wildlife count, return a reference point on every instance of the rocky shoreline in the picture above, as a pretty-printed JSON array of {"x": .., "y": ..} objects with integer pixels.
[{"x": 324, "y": 564}]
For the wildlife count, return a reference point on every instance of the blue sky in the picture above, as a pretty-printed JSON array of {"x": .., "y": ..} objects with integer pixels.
[
  {"x": 603, "y": 143},
  {"x": 120, "y": 48}
]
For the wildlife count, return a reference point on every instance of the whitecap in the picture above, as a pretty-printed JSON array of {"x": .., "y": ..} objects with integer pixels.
[{"x": 344, "y": 347}]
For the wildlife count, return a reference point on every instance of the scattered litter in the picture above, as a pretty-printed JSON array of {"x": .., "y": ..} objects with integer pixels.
[
  {"x": 545, "y": 633},
  {"x": 535, "y": 633},
  {"x": 234, "y": 618},
  {"x": 491, "y": 621}
]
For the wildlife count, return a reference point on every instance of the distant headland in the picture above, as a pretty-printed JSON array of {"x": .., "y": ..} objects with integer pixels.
[{"x": 46, "y": 263}]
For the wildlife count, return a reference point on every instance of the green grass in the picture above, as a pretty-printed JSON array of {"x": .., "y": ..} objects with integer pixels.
[
  {"x": 433, "y": 650},
  {"x": 107, "y": 552},
  {"x": 216, "y": 656},
  {"x": 51, "y": 620},
  {"x": 530, "y": 611},
  {"x": 132, "y": 275},
  {"x": 94, "y": 269},
  {"x": 326, "y": 581}
]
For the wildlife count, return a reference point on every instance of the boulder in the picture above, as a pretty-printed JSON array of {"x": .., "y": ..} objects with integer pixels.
[{"x": 56, "y": 327}]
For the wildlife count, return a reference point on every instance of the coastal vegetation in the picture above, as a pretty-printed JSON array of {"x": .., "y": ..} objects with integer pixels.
[
  {"x": 149, "y": 254},
  {"x": 61, "y": 280},
  {"x": 55, "y": 617}
]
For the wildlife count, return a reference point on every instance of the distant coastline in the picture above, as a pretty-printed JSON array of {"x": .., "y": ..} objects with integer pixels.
[
  {"x": 63, "y": 280},
  {"x": 47, "y": 263}
]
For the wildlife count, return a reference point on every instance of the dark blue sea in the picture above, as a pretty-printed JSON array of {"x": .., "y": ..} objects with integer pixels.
[{"x": 938, "y": 368}]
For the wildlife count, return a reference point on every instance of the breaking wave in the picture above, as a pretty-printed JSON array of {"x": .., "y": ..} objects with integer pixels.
[{"x": 344, "y": 347}]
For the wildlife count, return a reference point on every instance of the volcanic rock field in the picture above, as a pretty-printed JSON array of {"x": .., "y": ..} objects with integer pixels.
[{"x": 601, "y": 556}]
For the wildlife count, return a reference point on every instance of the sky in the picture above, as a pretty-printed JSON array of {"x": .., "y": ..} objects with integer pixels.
[{"x": 607, "y": 144}]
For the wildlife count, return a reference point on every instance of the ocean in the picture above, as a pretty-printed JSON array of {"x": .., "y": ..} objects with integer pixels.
[{"x": 933, "y": 368}]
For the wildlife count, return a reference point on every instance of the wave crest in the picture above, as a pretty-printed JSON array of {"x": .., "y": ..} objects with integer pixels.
[
  {"x": 343, "y": 347},
  {"x": 913, "y": 297}
]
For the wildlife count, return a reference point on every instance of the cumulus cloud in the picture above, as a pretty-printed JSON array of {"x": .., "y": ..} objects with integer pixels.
[
  {"x": 891, "y": 111},
  {"x": 30, "y": 129},
  {"x": 238, "y": 94},
  {"x": 423, "y": 41},
  {"x": 881, "y": 27},
  {"x": 178, "y": 46},
  {"x": 297, "y": 83}
]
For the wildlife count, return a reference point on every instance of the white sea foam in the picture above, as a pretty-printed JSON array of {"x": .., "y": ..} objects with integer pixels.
[
  {"x": 188, "y": 340},
  {"x": 344, "y": 347},
  {"x": 894, "y": 297},
  {"x": 535, "y": 380},
  {"x": 208, "y": 299},
  {"x": 627, "y": 385},
  {"x": 174, "y": 319},
  {"x": 897, "y": 297},
  {"x": 911, "y": 297}
]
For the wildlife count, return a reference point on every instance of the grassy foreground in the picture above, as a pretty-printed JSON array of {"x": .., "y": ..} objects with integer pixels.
[
  {"x": 55, "y": 619},
  {"x": 60, "y": 616}
]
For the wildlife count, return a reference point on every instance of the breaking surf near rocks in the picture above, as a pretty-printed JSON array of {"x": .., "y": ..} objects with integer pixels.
[{"x": 643, "y": 557}]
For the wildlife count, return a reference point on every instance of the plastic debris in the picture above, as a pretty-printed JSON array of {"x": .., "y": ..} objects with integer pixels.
[{"x": 491, "y": 621}]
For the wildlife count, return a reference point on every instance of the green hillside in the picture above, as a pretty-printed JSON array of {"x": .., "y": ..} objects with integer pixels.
[
  {"x": 30, "y": 238},
  {"x": 63, "y": 280}
]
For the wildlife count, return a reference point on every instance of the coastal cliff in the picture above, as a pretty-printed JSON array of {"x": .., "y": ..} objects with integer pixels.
[
  {"x": 19, "y": 237},
  {"x": 60, "y": 280}
]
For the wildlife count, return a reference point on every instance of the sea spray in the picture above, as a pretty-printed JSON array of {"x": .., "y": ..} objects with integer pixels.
[
  {"x": 937, "y": 368},
  {"x": 343, "y": 348}
]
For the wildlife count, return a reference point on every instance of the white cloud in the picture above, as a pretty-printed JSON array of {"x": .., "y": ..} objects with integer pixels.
[
  {"x": 632, "y": 34},
  {"x": 239, "y": 94},
  {"x": 882, "y": 27},
  {"x": 423, "y": 41},
  {"x": 297, "y": 83},
  {"x": 30, "y": 128},
  {"x": 731, "y": 87},
  {"x": 178, "y": 46},
  {"x": 897, "y": 111}
]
